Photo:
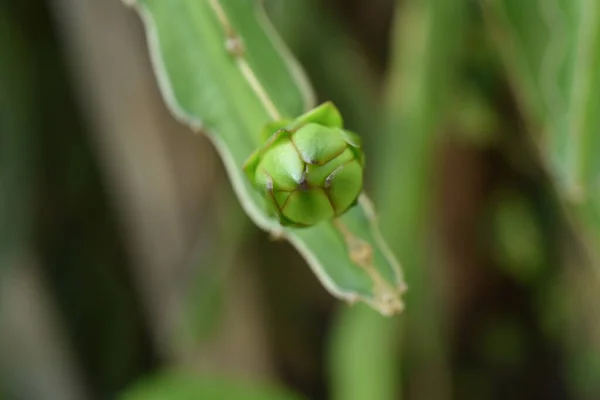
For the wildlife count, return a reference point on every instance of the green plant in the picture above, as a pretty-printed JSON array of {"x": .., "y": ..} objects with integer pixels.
[
  {"x": 224, "y": 72},
  {"x": 309, "y": 169},
  {"x": 550, "y": 51},
  {"x": 177, "y": 385}
]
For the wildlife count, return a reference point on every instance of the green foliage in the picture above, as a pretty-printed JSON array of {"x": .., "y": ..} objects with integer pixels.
[
  {"x": 363, "y": 356},
  {"x": 182, "y": 386},
  {"x": 427, "y": 38},
  {"x": 224, "y": 72},
  {"x": 491, "y": 306},
  {"x": 521, "y": 254},
  {"x": 551, "y": 49}
]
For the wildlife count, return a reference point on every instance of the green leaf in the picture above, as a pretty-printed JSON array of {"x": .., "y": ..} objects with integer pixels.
[
  {"x": 427, "y": 39},
  {"x": 186, "y": 386},
  {"x": 224, "y": 72},
  {"x": 551, "y": 49},
  {"x": 519, "y": 254},
  {"x": 363, "y": 359}
]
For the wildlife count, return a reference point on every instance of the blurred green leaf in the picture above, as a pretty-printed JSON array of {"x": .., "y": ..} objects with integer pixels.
[
  {"x": 551, "y": 49},
  {"x": 519, "y": 243},
  {"x": 186, "y": 386},
  {"x": 224, "y": 72},
  {"x": 363, "y": 361},
  {"x": 474, "y": 117},
  {"x": 427, "y": 38}
]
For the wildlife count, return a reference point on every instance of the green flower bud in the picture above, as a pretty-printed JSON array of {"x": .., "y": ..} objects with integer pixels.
[{"x": 309, "y": 173}]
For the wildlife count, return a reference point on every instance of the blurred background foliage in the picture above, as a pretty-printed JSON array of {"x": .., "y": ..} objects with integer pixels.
[{"x": 128, "y": 270}]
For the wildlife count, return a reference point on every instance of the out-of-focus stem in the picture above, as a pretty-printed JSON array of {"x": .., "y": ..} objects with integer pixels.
[{"x": 425, "y": 40}]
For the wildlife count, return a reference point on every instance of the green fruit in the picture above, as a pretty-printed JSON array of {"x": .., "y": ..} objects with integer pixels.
[{"x": 310, "y": 170}]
